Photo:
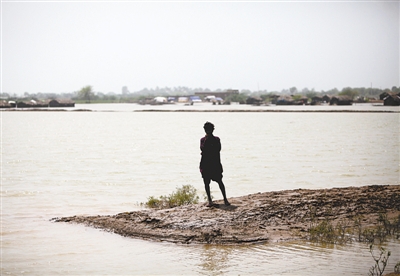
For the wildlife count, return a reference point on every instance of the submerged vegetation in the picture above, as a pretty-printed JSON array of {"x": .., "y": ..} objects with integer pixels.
[
  {"x": 185, "y": 195},
  {"x": 380, "y": 261},
  {"x": 347, "y": 231}
]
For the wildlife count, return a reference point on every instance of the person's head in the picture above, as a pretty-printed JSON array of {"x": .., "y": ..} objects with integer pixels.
[{"x": 208, "y": 128}]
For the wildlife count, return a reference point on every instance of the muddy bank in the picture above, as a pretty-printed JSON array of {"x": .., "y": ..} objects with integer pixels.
[{"x": 270, "y": 216}]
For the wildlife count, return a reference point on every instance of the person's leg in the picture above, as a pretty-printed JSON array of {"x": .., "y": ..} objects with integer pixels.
[
  {"x": 207, "y": 187},
  {"x": 222, "y": 188}
]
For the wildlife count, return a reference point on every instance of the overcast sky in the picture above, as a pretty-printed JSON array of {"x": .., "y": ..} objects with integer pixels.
[{"x": 63, "y": 46}]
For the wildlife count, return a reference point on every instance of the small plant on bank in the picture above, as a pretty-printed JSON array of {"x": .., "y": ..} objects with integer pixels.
[
  {"x": 397, "y": 267},
  {"x": 326, "y": 232},
  {"x": 380, "y": 262},
  {"x": 185, "y": 195}
]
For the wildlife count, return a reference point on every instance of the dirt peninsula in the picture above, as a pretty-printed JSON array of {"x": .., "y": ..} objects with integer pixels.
[{"x": 261, "y": 217}]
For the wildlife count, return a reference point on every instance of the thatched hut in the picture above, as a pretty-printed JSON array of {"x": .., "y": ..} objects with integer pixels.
[
  {"x": 285, "y": 100},
  {"x": 326, "y": 98},
  {"x": 5, "y": 104},
  {"x": 61, "y": 103},
  {"x": 341, "y": 100},
  {"x": 392, "y": 100},
  {"x": 274, "y": 98},
  {"x": 385, "y": 94},
  {"x": 26, "y": 104},
  {"x": 316, "y": 100},
  {"x": 302, "y": 101},
  {"x": 254, "y": 100}
]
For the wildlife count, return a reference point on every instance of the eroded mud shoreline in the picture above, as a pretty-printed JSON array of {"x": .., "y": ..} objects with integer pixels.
[{"x": 270, "y": 216}]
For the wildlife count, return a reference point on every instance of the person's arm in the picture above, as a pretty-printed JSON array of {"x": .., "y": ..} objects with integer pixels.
[
  {"x": 219, "y": 145},
  {"x": 202, "y": 144}
]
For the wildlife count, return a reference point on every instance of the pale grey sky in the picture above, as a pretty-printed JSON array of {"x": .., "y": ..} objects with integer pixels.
[{"x": 63, "y": 46}]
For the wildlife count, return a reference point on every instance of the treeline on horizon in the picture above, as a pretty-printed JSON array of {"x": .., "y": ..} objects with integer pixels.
[{"x": 126, "y": 96}]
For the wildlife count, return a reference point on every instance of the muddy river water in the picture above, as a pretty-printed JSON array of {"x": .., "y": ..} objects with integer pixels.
[{"x": 87, "y": 163}]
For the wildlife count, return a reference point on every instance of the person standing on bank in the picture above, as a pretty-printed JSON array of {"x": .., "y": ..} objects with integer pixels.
[{"x": 210, "y": 163}]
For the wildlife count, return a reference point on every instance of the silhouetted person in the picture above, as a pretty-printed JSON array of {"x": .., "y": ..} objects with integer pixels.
[{"x": 210, "y": 164}]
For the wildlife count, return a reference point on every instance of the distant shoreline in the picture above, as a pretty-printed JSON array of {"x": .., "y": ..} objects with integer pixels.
[
  {"x": 281, "y": 111},
  {"x": 206, "y": 110}
]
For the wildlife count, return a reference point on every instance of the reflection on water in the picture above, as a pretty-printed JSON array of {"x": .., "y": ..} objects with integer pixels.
[
  {"x": 215, "y": 259},
  {"x": 69, "y": 163},
  {"x": 292, "y": 258}
]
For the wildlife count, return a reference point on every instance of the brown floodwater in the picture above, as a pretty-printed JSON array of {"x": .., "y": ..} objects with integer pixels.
[{"x": 72, "y": 163}]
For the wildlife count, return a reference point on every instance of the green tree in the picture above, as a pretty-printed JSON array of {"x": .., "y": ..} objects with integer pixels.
[
  {"x": 293, "y": 90},
  {"x": 85, "y": 93},
  {"x": 333, "y": 91},
  {"x": 348, "y": 91},
  {"x": 311, "y": 94},
  {"x": 297, "y": 97},
  {"x": 246, "y": 92},
  {"x": 241, "y": 98}
]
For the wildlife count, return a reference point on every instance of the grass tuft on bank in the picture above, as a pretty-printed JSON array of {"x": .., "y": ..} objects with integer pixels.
[{"x": 184, "y": 195}]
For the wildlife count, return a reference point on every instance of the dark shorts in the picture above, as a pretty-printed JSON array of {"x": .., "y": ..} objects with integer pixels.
[
  {"x": 211, "y": 170},
  {"x": 216, "y": 176}
]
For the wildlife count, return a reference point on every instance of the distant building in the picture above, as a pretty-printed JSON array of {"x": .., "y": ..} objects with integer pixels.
[
  {"x": 326, "y": 98},
  {"x": 316, "y": 100},
  {"x": 254, "y": 100},
  {"x": 341, "y": 100},
  {"x": 223, "y": 95},
  {"x": 61, "y": 103},
  {"x": 392, "y": 99},
  {"x": 183, "y": 99},
  {"x": 160, "y": 100},
  {"x": 285, "y": 100},
  {"x": 385, "y": 94},
  {"x": 195, "y": 99},
  {"x": 274, "y": 98}
]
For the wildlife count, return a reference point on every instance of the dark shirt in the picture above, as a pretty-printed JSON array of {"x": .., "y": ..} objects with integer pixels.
[{"x": 210, "y": 164}]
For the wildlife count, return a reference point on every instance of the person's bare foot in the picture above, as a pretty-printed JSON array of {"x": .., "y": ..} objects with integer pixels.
[
  {"x": 227, "y": 202},
  {"x": 210, "y": 204}
]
